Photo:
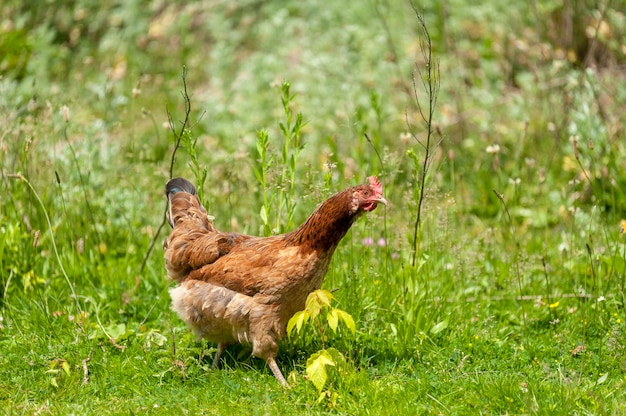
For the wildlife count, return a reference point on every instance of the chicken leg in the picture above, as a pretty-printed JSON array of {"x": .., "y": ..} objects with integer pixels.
[
  {"x": 218, "y": 354},
  {"x": 274, "y": 367}
]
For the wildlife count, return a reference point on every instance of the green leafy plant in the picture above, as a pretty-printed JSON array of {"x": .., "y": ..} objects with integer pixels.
[
  {"x": 291, "y": 129},
  {"x": 58, "y": 368},
  {"x": 319, "y": 314}
]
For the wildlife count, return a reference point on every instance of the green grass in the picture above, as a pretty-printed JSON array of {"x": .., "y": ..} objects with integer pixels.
[{"x": 515, "y": 304}]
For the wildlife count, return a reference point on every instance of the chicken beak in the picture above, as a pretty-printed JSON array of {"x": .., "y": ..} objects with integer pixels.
[{"x": 381, "y": 200}]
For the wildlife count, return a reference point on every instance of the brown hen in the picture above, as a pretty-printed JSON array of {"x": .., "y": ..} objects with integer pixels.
[{"x": 235, "y": 288}]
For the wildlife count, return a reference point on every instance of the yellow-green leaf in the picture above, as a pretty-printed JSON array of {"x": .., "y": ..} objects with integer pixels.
[
  {"x": 346, "y": 318},
  {"x": 336, "y": 356},
  {"x": 117, "y": 331},
  {"x": 333, "y": 320},
  {"x": 66, "y": 367},
  {"x": 317, "y": 300},
  {"x": 313, "y": 305},
  {"x": 297, "y": 320},
  {"x": 154, "y": 337},
  {"x": 324, "y": 296},
  {"x": 316, "y": 368}
]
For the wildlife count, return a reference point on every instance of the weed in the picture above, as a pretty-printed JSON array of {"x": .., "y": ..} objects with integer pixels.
[{"x": 281, "y": 206}]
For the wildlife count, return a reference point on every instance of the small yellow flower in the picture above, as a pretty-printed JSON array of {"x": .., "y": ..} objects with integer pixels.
[
  {"x": 554, "y": 305},
  {"x": 622, "y": 226}
]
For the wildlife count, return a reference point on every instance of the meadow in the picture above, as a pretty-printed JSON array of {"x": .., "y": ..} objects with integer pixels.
[{"x": 492, "y": 283}]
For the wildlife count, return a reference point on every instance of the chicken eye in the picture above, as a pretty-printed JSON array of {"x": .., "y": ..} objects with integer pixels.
[{"x": 366, "y": 193}]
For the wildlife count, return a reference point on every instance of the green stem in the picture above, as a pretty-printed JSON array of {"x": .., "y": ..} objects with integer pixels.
[{"x": 54, "y": 244}]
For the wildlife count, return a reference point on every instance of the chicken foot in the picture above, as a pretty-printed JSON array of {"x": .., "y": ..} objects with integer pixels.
[{"x": 271, "y": 362}]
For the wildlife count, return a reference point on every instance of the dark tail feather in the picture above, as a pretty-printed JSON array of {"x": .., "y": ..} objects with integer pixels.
[
  {"x": 173, "y": 186},
  {"x": 179, "y": 185}
]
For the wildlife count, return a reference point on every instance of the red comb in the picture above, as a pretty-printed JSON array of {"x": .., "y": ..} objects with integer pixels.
[{"x": 375, "y": 184}]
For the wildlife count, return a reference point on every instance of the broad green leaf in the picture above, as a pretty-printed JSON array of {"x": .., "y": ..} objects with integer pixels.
[
  {"x": 263, "y": 214},
  {"x": 258, "y": 174},
  {"x": 313, "y": 305},
  {"x": 439, "y": 327},
  {"x": 333, "y": 320},
  {"x": 336, "y": 356},
  {"x": 297, "y": 320},
  {"x": 325, "y": 297},
  {"x": 317, "y": 300},
  {"x": 156, "y": 338},
  {"x": 346, "y": 318},
  {"x": 311, "y": 301},
  {"x": 117, "y": 332},
  {"x": 316, "y": 368}
]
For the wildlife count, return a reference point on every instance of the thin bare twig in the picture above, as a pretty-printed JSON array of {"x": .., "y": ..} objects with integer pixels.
[
  {"x": 177, "y": 138},
  {"x": 429, "y": 77}
]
